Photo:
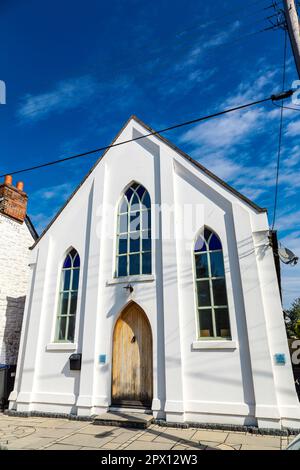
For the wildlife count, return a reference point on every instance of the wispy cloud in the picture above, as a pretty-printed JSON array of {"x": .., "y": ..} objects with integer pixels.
[
  {"x": 40, "y": 200},
  {"x": 293, "y": 129},
  {"x": 67, "y": 94}
]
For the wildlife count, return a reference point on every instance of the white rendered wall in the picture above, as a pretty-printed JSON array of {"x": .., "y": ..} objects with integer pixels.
[
  {"x": 231, "y": 382},
  {"x": 15, "y": 240}
]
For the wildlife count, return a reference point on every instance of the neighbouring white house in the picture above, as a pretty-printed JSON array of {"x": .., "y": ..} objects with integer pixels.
[
  {"x": 17, "y": 234},
  {"x": 155, "y": 287}
]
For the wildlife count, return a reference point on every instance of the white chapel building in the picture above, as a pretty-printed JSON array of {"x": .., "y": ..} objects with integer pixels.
[{"x": 154, "y": 287}]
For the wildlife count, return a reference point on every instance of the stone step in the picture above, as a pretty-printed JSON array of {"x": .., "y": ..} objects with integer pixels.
[{"x": 124, "y": 419}]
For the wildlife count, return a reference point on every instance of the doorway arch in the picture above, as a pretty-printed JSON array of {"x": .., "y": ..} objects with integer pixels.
[{"x": 132, "y": 369}]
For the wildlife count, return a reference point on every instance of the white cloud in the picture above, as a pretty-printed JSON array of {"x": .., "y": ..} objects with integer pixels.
[
  {"x": 226, "y": 131},
  {"x": 39, "y": 203},
  {"x": 67, "y": 94},
  {"x": 293, "y": 129}
]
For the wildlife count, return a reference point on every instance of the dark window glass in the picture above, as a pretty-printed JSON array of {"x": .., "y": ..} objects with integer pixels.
[
  {"x": 68, "y": 262},
  {"x": 217, "y": 264},
  {"x": 211, "y": 286},
  {"x": 68, "y": 297},
  {"x": 200, "y": 244},
  {"x": 130, "y": 233},
  {"x": 128, "y": 194},
  {"x": 76, "y": 262},
  {"x": 201, "y": 266},
  {"x": 134, "y": 264},
  {"x": 73, "y": 303},
  {"x": 135, "y": 203},
  {"x": 222, "y": 322},
  {"x": 203, "y": 293},
  {"x": 140, "y": 191},
  {"x": 207, "y": 234},
  {"x": 134, "y": 244},
  {"x": 214, "y": 243},
  {"x": 66, "y": 279},
  {"x": 146, "y": 200},
  {"x": 146, "y": 263},
  {"x": 64, "y": 303},
  {"x": 75, "y": 279},
  {"x": 146, "y": 241},
  {"x": 205, "y": 323},
  {"x": 62, "y": 328},
  {"x": 122, "y": 268},
  {"x": 219, "y": 290},
  {"x": 123, "y": 244},
  {"x": 71, "y": 328}
]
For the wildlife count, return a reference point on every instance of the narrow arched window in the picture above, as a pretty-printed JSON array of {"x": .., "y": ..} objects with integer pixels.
[
  {"x": 134, "y": 232},
  {"x": 212, "y": 305},
  {"x": 68, "y": 292}
]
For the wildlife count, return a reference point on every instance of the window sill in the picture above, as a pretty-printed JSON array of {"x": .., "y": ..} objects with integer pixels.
[
  {"x": 212, "y": 344},
  {"x": 131, "y": 279},
  {"x": 61, "y": 347}
]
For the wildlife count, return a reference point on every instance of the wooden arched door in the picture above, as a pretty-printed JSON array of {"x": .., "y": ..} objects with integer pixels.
[{"x": 132, "y": 359}]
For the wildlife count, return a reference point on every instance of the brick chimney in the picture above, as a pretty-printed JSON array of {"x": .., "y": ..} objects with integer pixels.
[{"x": 13, "y": 200}]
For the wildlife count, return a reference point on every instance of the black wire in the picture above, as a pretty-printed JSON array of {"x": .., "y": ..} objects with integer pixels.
[
  {"x": 280, "y": 132},
  {"x": 166, "y": 129},
  {"x": 286, "y": 107}
]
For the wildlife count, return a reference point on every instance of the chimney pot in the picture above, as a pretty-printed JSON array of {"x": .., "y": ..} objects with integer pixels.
[
  {"x": 8, "y": 179},
  {"x": 13, "y": 200},
  {"x": 20, "y": 185}
]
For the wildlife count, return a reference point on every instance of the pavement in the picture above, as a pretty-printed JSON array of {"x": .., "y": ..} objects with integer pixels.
[{"x": 61, "y": 434}]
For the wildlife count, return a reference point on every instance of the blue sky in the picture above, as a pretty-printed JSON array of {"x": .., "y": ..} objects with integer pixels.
[{"x": 75, "y": 71}]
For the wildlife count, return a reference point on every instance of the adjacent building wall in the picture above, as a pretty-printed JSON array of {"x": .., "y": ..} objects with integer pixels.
[{"x": 15, "y": 240}]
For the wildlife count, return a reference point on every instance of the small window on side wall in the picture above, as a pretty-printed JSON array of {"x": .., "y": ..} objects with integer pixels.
[
  {"x": 68, "y": 292},
  {"x": 212, "y": 305}
]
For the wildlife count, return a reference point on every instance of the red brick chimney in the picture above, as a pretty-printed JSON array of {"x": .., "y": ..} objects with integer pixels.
[{"x": 13, "y": 200}]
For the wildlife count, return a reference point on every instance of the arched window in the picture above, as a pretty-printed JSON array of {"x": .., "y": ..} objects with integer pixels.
[
  {"x": 212, "y": 306},
  {"x": 68, "y": 291},
  {"x": 134, "y": 232}
]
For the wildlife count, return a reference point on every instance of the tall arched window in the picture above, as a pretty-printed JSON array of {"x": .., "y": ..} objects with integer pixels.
[
  {"x": 134, "y": 232},
  {"x": 68, "y": 291},
  {"x": 212, "y": 305}
]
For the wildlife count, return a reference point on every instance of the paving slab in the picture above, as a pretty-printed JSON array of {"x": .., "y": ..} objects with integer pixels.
[
  {"x": 93, "y": 430},
  {"x": 147, "y": 436},
  {"x": 55, "y": 433},
  {"x": 85, "y": 440},
  {"x": 142, "y": 445},
  {"x": 124, "y": 437},
  {"x": 31, "y": 442},
  {"x": 210, "y": 436},
  {"x": 258, "y": 447},
  {"x": 63, "y": 447},
  {"x": 114, "y": 418},
  {"x": 253, "y": 440}
]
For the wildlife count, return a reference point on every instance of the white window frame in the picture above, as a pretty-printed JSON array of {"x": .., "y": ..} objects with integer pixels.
[
  {"x": 59, "y": 316},
  {"x": 210, "y": 280},
  {"x": 142, "y": 209}
]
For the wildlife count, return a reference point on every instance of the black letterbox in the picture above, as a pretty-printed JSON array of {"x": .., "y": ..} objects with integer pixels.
[{"x": 75, "y": 361}]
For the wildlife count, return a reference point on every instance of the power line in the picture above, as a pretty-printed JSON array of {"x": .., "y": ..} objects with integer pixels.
[
  {"x": 280, "y": 131},
  {"x": 286, "y": 107},
  {"x": 277, "y": 97}
]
